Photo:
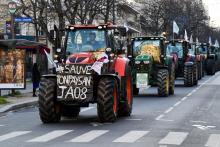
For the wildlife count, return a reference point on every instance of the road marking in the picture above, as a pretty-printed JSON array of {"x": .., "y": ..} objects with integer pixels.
[
  {"x": 170, "y": 109},
  {"x": 86, "y": 109},
  {"x": 50, "y": 136},
  {"x": 96, "y": 124},
  {"x": 198, "y": 121},
  {"x": 174, "y": 138},
  {"x": 134, "y": 119},
  {"x": 213, "y": 141},
  {"x": 13, "y": 135},
  {"x": 202, "y": 127},
  {"x": 87, "y": 137},
  {"x": 2, "y": 125},
  {"x": 131, "y": 136},
  {"x": 184, "y": 98},
  {"x": 160, "y": 116},
  {"x": 194, "y": 91},
  {"x": 178, "y": 103},
  {"x": 189, "y": 94}
]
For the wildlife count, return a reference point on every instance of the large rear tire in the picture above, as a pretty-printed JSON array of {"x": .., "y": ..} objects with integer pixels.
[
  {"x": 188, "y": 76},
  {"x": 163, "y": 82},
  {"x": 172, "y": 81},
  {"x": 210, "y": 68},
  {"x": 107, "y": 99},
  {"x": 48, "y": 109},
  {"x": 125, "y": 105},
  {"x": 200, "y": 70},
  {"x": 195, "y": 73}
]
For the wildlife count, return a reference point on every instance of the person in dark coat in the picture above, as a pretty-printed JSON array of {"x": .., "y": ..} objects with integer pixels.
[{"x": 35, "y": 78}]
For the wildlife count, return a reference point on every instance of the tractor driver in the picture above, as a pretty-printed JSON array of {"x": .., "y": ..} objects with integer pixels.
[{"x": 92, "y": 41}]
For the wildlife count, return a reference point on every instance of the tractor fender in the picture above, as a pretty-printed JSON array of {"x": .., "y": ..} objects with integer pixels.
[
  {"x": 120, "y": 66},
  {"x": 188, "y": 63}
]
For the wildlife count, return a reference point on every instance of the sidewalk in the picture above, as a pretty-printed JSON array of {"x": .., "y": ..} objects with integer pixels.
[{"x": 23, "y": 100}]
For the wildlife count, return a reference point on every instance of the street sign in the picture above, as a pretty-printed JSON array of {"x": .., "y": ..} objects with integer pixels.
[
  {"x": 23, "y": 19},
  {"x": 12, "y": 6}
]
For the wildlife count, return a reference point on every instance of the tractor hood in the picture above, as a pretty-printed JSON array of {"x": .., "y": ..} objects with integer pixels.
[{"x": 86, "y": 57}]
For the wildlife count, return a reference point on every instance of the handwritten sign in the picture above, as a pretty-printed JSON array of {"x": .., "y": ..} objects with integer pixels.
[{"x": 75, "y": 82}]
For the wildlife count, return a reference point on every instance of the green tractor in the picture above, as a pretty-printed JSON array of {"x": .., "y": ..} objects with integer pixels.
[
  {"x": 151, "y": 66},
  {"x": 212, "y": 57}
]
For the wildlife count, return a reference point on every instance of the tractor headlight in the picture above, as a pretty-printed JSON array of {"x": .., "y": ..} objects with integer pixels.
[
  {"x": 146, "y": 62},
  {"x": 137, "y": 62}
]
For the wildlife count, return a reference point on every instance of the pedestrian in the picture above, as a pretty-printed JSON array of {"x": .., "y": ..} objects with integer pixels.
[{"x": 35, "y": 78}]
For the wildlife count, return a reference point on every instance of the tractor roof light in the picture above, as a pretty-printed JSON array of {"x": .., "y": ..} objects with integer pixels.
[
  {"x": 72, "y": 28},
  {"x": 99, "y": 27}
]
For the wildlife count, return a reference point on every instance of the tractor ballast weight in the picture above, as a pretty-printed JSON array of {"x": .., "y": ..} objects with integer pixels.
[
  {"x": 151, "y": 66},
  {"x": 88, "y": 71}
]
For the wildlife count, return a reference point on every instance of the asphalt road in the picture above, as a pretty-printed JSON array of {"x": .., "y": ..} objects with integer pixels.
[{"x": 190, "y": 118}]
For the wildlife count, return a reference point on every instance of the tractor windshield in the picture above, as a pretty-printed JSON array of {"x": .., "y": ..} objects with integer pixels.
[
  {"x": 84, "y": 40},
  {"x": 203, "y": 49},
  {"x": 175, "y": 49},
  {"x": 138, "y": 44}
]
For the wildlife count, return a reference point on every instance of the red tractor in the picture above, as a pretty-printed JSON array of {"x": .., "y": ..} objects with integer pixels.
[
  {"x": 186, "y": 62},
  {"x": 91, "y": 68}
]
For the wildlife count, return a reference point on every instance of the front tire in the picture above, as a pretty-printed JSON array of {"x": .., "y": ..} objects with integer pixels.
[
  {"x": 188, "y": 76},
  {"x": 163, "y": 82},
  {"x": 48, "y": 109},
  {"x": 107, "y": 100}
]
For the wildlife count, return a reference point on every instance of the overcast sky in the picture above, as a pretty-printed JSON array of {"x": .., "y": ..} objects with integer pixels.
[{"x": 214, "y": 11}]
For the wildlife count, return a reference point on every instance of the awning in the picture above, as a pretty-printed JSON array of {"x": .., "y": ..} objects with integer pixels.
[{"x": 23, "y": 44}]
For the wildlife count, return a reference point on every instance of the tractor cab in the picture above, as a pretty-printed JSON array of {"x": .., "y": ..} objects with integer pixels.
[
  {"x": 146, "y": 49},
  {"x": 84, "y": 43}
]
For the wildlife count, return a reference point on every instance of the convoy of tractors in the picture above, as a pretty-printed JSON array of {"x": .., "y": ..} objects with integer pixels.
[{"x": 105, "y": 65}]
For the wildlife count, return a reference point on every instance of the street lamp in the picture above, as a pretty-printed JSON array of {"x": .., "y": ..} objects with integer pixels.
[{"x": 12, "y": 6}]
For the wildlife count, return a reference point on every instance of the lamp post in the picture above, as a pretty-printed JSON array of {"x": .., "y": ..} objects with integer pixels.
[{"x": 12, "y": 6}]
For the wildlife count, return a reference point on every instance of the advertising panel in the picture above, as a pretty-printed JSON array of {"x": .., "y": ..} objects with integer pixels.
[{"x": 12, "y": 69}]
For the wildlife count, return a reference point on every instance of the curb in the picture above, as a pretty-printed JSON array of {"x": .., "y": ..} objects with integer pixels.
[{"x": 16, "y": 106}]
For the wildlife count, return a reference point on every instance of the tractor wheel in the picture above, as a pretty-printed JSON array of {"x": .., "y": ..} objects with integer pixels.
[
  {"x": 125, "y": 106},
  {"x": 210, "y": 67},
  {"x": 172, "y": 81},
  {"x": 195, "y": 74},
  {"x": 188, "y": 76},
  {"x": 135, "y": 90},
  {"x": 48, "y": 109},
  {"x": 199, "y": 70},
  {"x": 107, "y": 100},
  {"x": 70, "y": 111},
  {"x": 163, "y": 82}
]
